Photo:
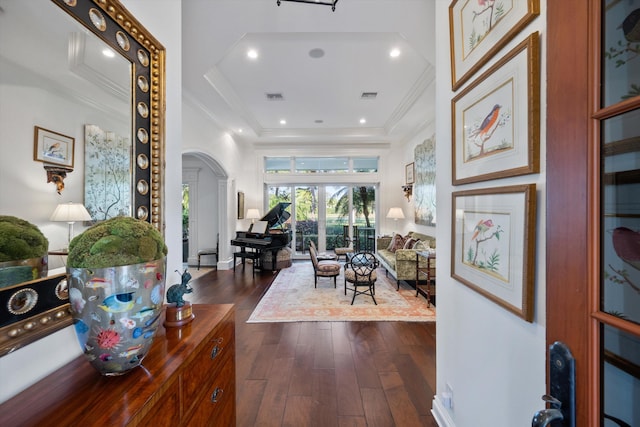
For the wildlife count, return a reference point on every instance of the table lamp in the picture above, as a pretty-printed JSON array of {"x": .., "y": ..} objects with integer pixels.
[
  {"x": 253, "y": 214},
  {"x": 395, "y": 214},
  {"x": 70, "y": 213}
]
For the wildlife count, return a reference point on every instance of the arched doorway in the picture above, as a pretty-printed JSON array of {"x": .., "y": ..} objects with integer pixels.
[{"x": 205, "y": 216}]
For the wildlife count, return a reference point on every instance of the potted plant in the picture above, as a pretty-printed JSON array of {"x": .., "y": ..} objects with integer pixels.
[
  {"x": 116, "y": 275},
  {"x": 23, "y": 251}
]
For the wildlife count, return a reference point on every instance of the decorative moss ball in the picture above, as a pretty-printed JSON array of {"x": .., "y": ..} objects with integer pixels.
[
  {"x": 19, "y": 239},
  {"x": 115, "y": 242}
]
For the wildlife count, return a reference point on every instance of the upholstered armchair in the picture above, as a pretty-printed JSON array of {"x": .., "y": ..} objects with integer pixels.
[{"x": 324, "y": 268}]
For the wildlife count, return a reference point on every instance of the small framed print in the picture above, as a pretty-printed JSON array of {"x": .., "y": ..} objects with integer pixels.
[
  {"x": 240, "y": 205},
  {"x": 493, "y": 244},
  {"x": 409, "y": 173},
  {"x": 53, "y": 147}
]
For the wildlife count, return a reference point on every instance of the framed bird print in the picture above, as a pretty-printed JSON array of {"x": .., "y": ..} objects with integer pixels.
[
  {"x": 52, "y": 147},
  {"x": 496, "y": 119},
  {"x": 480, "y": 28},
  {"x": 493, "y": 250}
]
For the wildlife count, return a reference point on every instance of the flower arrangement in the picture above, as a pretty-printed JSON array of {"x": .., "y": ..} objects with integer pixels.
[{"x": 116, "y": 242}]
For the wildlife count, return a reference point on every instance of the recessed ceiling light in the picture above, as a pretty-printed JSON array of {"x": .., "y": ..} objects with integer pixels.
[
  {"x": 394, "y": 53},
  {"x": 240, "y": 130},
  {"x": 363, "y": 121},
  {"x": 316, "y": 53},
  {"x": 108, "y": 53},
  {"x": 283, "y": 122},
  {"x": 252, "y": 53}
]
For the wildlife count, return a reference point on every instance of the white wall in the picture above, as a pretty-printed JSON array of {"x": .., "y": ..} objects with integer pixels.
[
  {"x": 23, "y": 367},
  {"x": 493, "y": 360},
  {"x": 201, "y": 135}
]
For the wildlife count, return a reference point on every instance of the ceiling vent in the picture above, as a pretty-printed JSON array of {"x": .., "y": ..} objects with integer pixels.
[
  {"x": 369, "y": 95},
  {"x": 275, "y": 97}
]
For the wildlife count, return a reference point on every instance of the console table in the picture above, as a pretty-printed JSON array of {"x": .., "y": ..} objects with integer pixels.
[
  {"x": 428, "y": 272},
  {"x": 187, "y": 379}
]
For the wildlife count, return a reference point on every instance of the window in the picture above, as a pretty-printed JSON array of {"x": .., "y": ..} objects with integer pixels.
[{"x": 320, "y": 165}]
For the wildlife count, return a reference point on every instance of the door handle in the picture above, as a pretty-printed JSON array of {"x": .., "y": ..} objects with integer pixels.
[
  {"x": 546, "y": 416},
  {"x": 562, "y": 387}
]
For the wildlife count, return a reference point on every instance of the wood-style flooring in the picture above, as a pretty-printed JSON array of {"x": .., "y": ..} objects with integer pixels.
[{"x": 323, "y": 373}]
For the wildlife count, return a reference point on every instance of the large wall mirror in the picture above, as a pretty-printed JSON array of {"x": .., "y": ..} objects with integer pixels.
[
  {"x": 112, "y": 23},
  {"x": 53, "y": 70}
]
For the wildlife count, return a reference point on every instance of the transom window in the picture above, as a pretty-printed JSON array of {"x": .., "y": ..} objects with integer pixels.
[{"x": 328, "y": 165}]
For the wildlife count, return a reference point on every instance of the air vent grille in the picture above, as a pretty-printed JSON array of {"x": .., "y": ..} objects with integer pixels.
[
  {"x": 275, "y": 97},
  {"x": 369, "y": 95}
]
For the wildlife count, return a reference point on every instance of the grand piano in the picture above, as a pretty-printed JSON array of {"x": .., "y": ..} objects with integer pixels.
[{"x": 273, "y": 238}]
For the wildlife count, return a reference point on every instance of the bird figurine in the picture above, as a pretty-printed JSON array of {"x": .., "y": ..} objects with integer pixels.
[
  {"x": 488, "y": 123},
  {"x": 481, "y": 227},
  {"x": 631, "y": 26},
  {"x": 626, "y": 244}
]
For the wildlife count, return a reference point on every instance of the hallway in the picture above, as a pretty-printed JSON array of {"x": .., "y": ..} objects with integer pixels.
[{"x": 323, "y": 373}]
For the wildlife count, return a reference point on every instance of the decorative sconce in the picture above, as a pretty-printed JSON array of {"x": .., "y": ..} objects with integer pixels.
[
  {"x": 408, "y": 191},
  {"x": 57, "y": 174}
]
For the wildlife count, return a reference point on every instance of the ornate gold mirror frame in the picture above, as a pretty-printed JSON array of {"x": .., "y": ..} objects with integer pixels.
[{"x": 112, "y": 23}]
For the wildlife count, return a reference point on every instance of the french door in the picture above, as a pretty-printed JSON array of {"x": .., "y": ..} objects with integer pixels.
[
  {"x": 593, "y": 202},
  {"x": 327, "y": 213}
]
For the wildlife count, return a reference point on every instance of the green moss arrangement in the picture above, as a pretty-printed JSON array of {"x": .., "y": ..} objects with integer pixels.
[
  {"x": 19, "y": 239},
  {"x": 115, "y": 242}
]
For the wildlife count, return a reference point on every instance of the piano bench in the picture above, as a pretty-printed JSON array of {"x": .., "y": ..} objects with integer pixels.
[{"x": 255, "y": 256}]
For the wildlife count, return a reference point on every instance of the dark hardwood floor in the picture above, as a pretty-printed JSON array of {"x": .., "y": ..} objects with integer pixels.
[{"x": 323, "y": 373}]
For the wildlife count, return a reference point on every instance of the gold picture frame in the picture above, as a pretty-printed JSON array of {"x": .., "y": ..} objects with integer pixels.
[
  {"x": 240, "y": 205},
  {"x": 410, "y": 173},
  {"x": 494, "y": 243},
  {"x": 496, "y": 119},
  {"x": 479, "y": 30},
  {"x": 53, "y": 147}
]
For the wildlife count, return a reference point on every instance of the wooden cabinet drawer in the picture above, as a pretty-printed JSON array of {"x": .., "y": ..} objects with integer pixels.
[
  {"x": 206, "y": 367},
  {"x": 165, "y": 412},
  {"x": 199, "y": 373},
  {"x": 217, "y": 407}
]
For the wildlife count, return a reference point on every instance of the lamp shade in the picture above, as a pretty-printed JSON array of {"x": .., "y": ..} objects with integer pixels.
[
  {"x": 70, "y": 212},
  {"x": 395, "y": 213},
  {"x": 253, "y": 213}
]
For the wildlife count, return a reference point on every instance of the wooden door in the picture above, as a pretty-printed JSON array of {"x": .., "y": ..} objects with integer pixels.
[{"x": 593, "y": 195}]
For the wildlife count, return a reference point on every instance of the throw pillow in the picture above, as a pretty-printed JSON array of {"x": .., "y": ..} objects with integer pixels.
[
  {"x": 397, "y": 242},
  {"x": 420, "y": 245},
  {"x": 410, "y": 243}
]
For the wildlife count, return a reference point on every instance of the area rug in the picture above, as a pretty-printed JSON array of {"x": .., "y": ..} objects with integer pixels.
[{"x": 292, "y": 298}]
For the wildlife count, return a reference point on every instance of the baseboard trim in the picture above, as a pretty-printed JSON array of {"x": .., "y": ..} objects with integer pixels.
[{"x": 440, "y": 413}]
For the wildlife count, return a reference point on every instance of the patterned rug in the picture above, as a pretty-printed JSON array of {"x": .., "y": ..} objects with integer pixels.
[{"x": 292, "y": 298}]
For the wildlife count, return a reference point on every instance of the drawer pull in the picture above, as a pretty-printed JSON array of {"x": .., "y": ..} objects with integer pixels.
[
  {"x": 216, "y": 394},
  {"x": 215, "y": 351}
]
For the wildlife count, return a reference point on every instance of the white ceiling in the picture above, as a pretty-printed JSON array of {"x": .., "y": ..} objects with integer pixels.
[{"x": 321, "y": 96}]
